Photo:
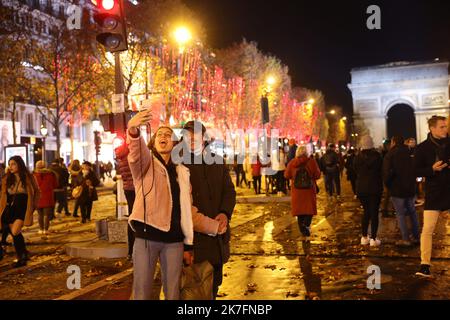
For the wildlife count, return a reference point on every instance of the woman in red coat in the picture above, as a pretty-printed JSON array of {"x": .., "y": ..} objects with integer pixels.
[
  {"x": 303, "y": 201},
  {"x": 47, "y": 183}
]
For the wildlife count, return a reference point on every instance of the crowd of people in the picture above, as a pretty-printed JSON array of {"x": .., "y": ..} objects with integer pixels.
[
  {"x": 47, "y": 189},
  {"x": 179, "y": 213}
]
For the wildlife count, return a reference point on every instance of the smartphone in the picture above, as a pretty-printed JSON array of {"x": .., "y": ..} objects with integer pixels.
[{"x": 155, "y": 103}]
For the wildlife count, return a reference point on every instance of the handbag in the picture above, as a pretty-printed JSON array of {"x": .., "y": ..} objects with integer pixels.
[
  {"x": 76, "y": 192},
  {"x": 197, "y": 282}
]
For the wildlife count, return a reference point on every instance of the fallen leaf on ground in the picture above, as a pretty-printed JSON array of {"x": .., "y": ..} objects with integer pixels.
[{"x": 271, "y": 266}]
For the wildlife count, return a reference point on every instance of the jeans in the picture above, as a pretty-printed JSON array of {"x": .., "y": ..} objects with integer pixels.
[
  {"x": 332, "y": 182},
  {"x": 281, "y": 184},
  {"x": 145, "y": 257},
  {"x": 44, "y": 218},
  {"x": 405, "y": 207},
  {"x": 371, "y": 205},
  {"x": 430, "y": 219},
  {"x": 61, "y": 198},
  {"x": 86, "y": 209},
  {"x": 304, "y": 223},
  {"x": 257, "y": 184}
]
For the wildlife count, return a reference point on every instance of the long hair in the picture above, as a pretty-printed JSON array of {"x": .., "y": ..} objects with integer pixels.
[
  {"x": 23, "y": 172},
  {"x": 151, "y": 145}
]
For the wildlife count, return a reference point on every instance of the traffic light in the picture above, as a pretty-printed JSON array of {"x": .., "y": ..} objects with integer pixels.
[
  {"x": 265, "y": 110},
  {"x": 110, "y": 19},
  {"x": 97, "y": 142}
]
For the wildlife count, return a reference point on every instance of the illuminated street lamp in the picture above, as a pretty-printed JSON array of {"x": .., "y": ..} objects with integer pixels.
[
  {"x": 333, "y": 112},
  {"x": 44, "y": 132},
  {"x": 182, "y": 36},
  {"x": 344, "y": 119}
]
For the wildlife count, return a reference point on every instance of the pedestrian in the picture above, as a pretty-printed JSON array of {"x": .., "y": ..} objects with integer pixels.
[
  {"x": 109, "y": 168},
  {"x": 88, "y": 181},
  {"x": 123, "y": 169},
  {"x": 47, "y": 184},
  {"x": 432, "y": 160},
  {"x": 102, "y": 171},
  {"x": 5, "y": 233},
  {"x": 62, "y": 175},
  {"x": 163, "y": 217},
  {"x": 303, "y": 172},
  {"x": 248, "y": 171},
  {"x": 19, "y": 197},
  {"x": 351, "y": 174},
  {"x": 214, "y": 195},
  {"x": 387, "y": 209},
  {"x": 256, "y": 174},
  {"x": 75, "y": 179},
  {"x": 278, "y": 162},
  {"x": 331, "y": 170},
  {"x": 400, "y": 179},
  {"x": 369, "y": 188}
]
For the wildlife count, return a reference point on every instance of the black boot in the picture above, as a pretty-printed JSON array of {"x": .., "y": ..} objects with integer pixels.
[{"x": 21, "y": 251}]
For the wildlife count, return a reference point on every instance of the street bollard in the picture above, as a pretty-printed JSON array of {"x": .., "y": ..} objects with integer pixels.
[{"x": 122, "y": 205}]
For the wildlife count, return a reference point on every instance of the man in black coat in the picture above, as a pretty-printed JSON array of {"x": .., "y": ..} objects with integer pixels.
[
  {"x": 330, "y": 166},
  {"x": 213, "y": 194},
  {"x": 431, "y": 160},
  {"x": 400, "y": 179}
]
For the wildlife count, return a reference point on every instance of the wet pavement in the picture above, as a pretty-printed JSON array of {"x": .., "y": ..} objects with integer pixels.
[{"x": 268, "y": 259}]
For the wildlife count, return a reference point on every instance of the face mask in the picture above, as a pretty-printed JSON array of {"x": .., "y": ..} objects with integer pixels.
[{"x": 85, "y": 172}]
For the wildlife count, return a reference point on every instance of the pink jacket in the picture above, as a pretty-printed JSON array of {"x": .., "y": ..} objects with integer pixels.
[{"x": 158, "y": 197}]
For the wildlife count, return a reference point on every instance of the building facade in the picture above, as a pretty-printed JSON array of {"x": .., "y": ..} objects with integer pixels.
[
  {"x": 39, "y": 17},
  {"x": 398, "y": 98}
]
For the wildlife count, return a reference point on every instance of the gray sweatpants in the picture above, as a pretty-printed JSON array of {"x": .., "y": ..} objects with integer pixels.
[{"x": 144, "y": 265}]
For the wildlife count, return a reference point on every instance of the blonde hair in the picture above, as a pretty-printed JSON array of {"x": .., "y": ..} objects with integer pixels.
[{"x": 301, "y": 150}]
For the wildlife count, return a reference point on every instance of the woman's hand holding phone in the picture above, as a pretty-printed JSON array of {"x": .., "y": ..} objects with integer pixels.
[{"x": 140, "y": 119}]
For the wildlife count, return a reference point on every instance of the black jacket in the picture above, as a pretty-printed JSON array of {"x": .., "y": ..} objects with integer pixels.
[
  {"x": 88, "y": 194},
  {"x": 330, "y": 162},
  {"x": 213, "y": 193},
  {"x": 437, "y": 184},
  {"x": 351, "y": 174},
  {"x": 398, "y": 172},
  {"x": 368, "y": 166}
]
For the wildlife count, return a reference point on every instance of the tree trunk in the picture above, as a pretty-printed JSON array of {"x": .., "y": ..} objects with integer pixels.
[
  {"x": 13, "y": 119},
  {"x": 71, "y": 140},
  {"x": 58, "y": 139}
]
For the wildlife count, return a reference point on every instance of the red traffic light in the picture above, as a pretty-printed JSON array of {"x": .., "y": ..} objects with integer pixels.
[
  {"x": 118, "y": 142},
  {"x": 107, "y": 4}
]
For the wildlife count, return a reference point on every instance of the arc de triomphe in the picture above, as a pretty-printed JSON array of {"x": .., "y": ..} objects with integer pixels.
[{"x": 409, "y": 91}]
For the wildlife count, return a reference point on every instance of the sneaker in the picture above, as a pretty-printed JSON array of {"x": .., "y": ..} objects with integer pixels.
[
  {"x": 403, "y": 243},
  {"x": 365, "y": 241},
  {"x": 375, "y": 242},
  {"x": 424, "y": 271},
  {"x": 20, "y": 263}
]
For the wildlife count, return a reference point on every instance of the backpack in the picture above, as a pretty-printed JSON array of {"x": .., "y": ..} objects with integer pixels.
[
  {"x": 302, "y": 178},
  {"x": 330, "y": 163}
]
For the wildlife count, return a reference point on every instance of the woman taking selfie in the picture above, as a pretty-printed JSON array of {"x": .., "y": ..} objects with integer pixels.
[{"x": 163, "y": 217}]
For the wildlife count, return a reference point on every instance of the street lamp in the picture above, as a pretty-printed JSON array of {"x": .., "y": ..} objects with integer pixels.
[
  {"x": 97, "y": 142},
  {"x": 333, "y": 112},
  {"x": 44, "y": 132},
  {"x": 182, "y": 36}
]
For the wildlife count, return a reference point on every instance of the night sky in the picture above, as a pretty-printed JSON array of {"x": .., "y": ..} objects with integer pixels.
[{"x": 321, "y": 41}]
